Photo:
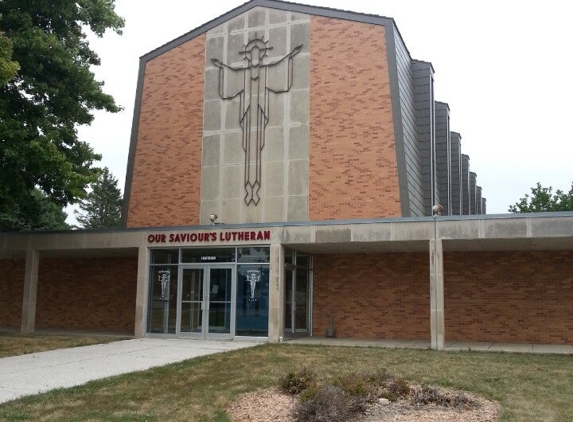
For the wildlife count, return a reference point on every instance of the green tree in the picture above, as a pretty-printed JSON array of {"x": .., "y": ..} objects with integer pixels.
[
  {"x": 41, "y": 215},
  {"x": 102, "y": 206},
  {"x": 42, "y": 104},
  {"x": 544, "y": 200}
]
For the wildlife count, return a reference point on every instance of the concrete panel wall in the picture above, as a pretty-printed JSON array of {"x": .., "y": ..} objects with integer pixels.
[
  {"x": 275, "y": 153},
  {"x": 87, "y": 294},
  {"x": 11, "y": 292},
  {"x": 372, "y": 295},
  {"x": 353, "y": 168},
  {"x": 511, "y": 297}
]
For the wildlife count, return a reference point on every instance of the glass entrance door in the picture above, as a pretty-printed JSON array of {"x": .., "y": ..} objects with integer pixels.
[
  {"x": 219, "y": 301},
  {"x": 206, "y": 304},
  {"x": 192, "y": 300}
]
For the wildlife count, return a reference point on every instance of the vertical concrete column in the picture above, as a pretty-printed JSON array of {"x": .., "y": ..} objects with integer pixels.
[
  {"x": 276, "y": 293},
  {"x": 30, "y": 291},
  {"x": 142, "y": 292},
  {"x": 437, "y": 294}
]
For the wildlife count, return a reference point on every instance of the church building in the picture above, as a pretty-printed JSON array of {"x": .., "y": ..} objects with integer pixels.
[{"x": 291, "y": 173}]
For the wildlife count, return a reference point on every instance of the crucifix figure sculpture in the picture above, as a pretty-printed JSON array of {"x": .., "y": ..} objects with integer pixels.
[{"x": 259, "y": 79}]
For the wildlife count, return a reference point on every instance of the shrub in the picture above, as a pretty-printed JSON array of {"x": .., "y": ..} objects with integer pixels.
[
  {"x": 429, "y": 395},
  {"x": 395, "y": 389},
  {"x": 294, "y": 382},
  {"x": 354, "y": 384},
  {"x": 379, "y": 378},
  {"x": 361, "y": 388},
  {"x": 331, "y": 404}
]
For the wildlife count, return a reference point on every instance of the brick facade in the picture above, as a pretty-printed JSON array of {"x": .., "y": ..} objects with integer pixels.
[
  {"x": 384, "y": 296},
  {"x": 166, "y": 180},
  {"x": 12, "y": 273},
  {"x": 87, "y": 294},
  {"x": 353, "y": 171},
  {"x": 513, "y": 297}
]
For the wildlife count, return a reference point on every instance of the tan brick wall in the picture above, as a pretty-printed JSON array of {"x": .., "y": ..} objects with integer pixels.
[
  {"x": 372, "y": 295},
  {"x": 87, "y": 294},
  {"x": 512, "y": 297},
  {"x": 353, "y": 170},
  {"x": 166, "y": 182},
  {"x": 12, "y": 272}
]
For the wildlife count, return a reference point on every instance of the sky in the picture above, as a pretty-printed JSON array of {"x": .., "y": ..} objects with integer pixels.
[{"x": 504, "y": 67}]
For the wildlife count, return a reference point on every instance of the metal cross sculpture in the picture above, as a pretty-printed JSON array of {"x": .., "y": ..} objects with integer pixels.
[{"x": 258, "y": 80}]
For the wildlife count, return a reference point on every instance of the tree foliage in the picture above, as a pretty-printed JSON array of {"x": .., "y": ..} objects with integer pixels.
[
  {"x": 544, "y": 200},
  {"x": 42, "y": 104},
  {"x": 102, "y": 207},
  {"x": 40, "y": 214},
  {"x": 8, "y": 67}
]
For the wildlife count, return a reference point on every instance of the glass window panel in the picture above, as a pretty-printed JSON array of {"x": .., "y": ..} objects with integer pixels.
[
  {"x": 163, "y": 299},
  {"x": 289, "y": 256},
  {"x": 302, "y": 260},
  {"x": 220, "y": 300},
  {"x": 220, "y": 285},
  {"x": 165, "y": 256},
  {"x": 220, "y": 317},
  {"x": 288, "y": 300},
  {"x": 208, "y": 255},
  {"x": 261, "y": 255},
  {"x": 191, "y": 317},
  {"x": 301, "y": 299},
  {"x": 252, "y": 300},
  {"x": 192, "y": 285}
]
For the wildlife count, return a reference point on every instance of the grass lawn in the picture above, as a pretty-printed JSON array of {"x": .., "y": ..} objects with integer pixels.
[
  {"x": 15, "y": 344},
  {"x": 528, "y": 387}
]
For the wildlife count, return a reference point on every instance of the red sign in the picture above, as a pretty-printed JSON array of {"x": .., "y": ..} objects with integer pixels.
[{"x": 205, "y": 237}]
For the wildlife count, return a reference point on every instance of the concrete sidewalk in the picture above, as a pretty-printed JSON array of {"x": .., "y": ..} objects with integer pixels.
[{"x": 39, "y": 372}]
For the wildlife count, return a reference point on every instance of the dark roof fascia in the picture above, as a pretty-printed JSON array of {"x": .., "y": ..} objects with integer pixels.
[
  {"x": 132, "y": 144},
  {"x": 426, "y": 63},
  {"x": 397, "y": 120},
  {"x": 441, "y": 103},
  {"x": 273, "y": 4}
]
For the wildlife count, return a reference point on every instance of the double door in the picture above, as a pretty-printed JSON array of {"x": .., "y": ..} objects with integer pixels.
[{"x": 206, "y": 308}]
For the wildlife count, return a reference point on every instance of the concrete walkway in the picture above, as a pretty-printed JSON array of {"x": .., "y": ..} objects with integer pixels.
[
  {"x": 39, "y": 372},
  {"x": 451, "y": 346}
]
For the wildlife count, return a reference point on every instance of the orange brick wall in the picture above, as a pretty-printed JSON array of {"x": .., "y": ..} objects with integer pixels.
[
  {"x": 166, "y": 181},
  {"x": 87, "y": 294},
  {"x": 372, "y": 295},
  {"x": 12, "y": 272},
  {"x": 512, "y": 297},
  {"x": 353, "y": 171}
]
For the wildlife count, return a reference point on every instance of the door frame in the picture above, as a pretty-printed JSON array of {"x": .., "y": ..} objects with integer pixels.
[{"x": 204, "y": 334}]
